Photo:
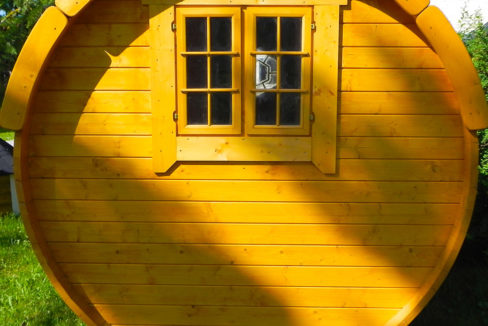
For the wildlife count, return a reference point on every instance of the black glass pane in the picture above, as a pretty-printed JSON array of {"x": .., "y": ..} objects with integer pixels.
[
  {"x": 265, "y": 71},
  {"x": 221, "y": 104},
  {"x": 197, "y": 113},
  {"x": 196, "y": 71},
  {"x": 265, "y": 108},
  {"x": 266, "y": 33},
  {"x": 221, "y": 71},
  {"x": 291, "y": 34},
  {"x": 220, "y": 34},
  {"x": 290, "y": 109},
  {"x": 291, "y": 71},
  {"x": 196, "y": 34}
]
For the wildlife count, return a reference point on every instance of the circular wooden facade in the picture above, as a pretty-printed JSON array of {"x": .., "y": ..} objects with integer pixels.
[{"x": 243, "y": 243}]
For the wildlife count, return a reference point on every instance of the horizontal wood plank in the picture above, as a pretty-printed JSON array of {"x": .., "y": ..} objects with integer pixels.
[
  {"x": 249, "y": 255},
  {"x": 399, "y": 103},
  {"x": 156, "y": 211},
  {"x": 406, "y": 148},
  {"x": 247, "y": 296},
  {"x": 100, "y": 57},
  {"x": 387, "y": 35},
  {"x": 374, "y": 11},
  {"x": 92, "y": 101},
  {"x": 201, "y": 190},
  {"x": 242, "y": 316},
  {"x": 382, "y": 57},
  {"x": 246, "y": 275},
  {"x": 349, "y": 169},
  {"x": 87, "y": 79},
  {"x": 240, "y": 233},
  {"x": 401, "y": 125},
  {"x": 395, "y": 80},
  {"x": 122, "y": 11},
  {"x": 131, "y": 146},
  {"x": 349, "y": 147},
  {"x": 106, "y": 35},
  {"x": 349, "y": 126},
  {"x": 91, "y": 124}
]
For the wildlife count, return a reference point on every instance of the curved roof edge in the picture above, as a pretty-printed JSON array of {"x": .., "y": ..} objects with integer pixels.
[
  {"x": 447, "y": 44},
  {"x": 28, "y": 67},
  {"x": 459, "y": 66},
  {"x": 430, "y": 20}
]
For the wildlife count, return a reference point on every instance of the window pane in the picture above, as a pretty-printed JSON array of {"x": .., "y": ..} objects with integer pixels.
[
  {"x": 266, "y": 33},
  {"x": 265, "y": 108},
  {"x": 291, "y": 34},
  {"x": 291, "y": 71},
  {"x": 220, "y": 34},
  {"x": 290, "y": 109},
  {"x": 265, "y": 71},
  {"x": 197, "y": 113},
  {"x": 196, "y": 71},
  {"x": 196, "y": 34},
  {"x": 221, "y": 104},
  {"x": 221, "y": 71}
]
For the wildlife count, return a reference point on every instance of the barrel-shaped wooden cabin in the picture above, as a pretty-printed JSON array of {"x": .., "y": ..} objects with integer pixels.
[{"x": 245, "y": 162}]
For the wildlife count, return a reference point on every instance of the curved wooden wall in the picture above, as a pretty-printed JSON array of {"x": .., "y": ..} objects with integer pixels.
[{"x": 244, "y": 244}]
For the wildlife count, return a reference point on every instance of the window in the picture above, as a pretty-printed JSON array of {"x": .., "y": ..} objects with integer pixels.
[
  {"x": 209, "y": 66},
  {"x": 276, "y": 70},
  {"x": 235, "y": 81},
  {"x": 277, "y": 94}
]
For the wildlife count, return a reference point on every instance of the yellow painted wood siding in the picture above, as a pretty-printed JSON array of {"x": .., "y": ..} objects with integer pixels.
[{"x": 246, "y": 244}]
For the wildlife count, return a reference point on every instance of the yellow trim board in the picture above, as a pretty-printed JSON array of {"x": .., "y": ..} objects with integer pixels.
[
  {"x": 462, "y": 73},
  {"x": 246, "y": 2},
  {"x": 29, "y": 66}
]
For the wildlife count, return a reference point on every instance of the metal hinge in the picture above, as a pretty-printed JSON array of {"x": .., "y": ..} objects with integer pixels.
[
  {"x": 175, "y": 116},
  {"x": 312, "y": 117},
  {"x": 173, "y": 27},
  {"x": 314, "y": 27}
]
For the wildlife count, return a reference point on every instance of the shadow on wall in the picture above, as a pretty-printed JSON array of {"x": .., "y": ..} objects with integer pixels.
[{"x": 176, "y": 239}]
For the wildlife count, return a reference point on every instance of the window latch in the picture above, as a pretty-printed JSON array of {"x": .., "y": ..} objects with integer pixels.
[
  {"x": 312, "y": 117},
  {"x": 173, "y": 27},
  {"x": 175, "y": 116},
  {"x": 313, "y": 26}
]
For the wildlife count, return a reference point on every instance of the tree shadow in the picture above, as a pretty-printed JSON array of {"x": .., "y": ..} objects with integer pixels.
[{"x": 160, "y": 248}]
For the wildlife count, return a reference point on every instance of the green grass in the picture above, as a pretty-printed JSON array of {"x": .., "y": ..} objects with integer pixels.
[
  {"x": 26, "y": 295},
  {"x": 6, "y": 134}
]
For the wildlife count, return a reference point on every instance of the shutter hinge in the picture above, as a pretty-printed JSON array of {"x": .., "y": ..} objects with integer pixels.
[
  {"x": 312, "y": 116},
  {"x": 175, "y": 116},
  {"x": 314, "y": 27},
  {"x": 173, "y": 26}
]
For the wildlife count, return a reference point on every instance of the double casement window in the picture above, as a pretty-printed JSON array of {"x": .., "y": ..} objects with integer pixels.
[
  {"x": 270, "y": 73},
  {"x": 244, "y": 83}
]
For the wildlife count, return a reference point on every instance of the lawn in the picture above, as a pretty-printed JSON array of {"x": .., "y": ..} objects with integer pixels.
[
  {"x": 6, "y": 134},
  {"x": 26, "y": 296}
]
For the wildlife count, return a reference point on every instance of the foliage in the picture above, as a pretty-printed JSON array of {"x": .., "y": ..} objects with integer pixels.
[
  {"x": 17, "y": 17},
  {"x": 27, "y": 297},
  {"x": 475, "y": 36}
]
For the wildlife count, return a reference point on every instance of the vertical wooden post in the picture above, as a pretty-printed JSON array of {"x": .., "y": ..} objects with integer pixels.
[
  {"x": 163, "y": 96},
  {"x": 325, "y": 87}
]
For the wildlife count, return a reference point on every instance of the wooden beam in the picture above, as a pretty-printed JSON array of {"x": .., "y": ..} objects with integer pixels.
[
  {"x": 29, "y": 66},
  {"x": 465, "y": 80}
]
